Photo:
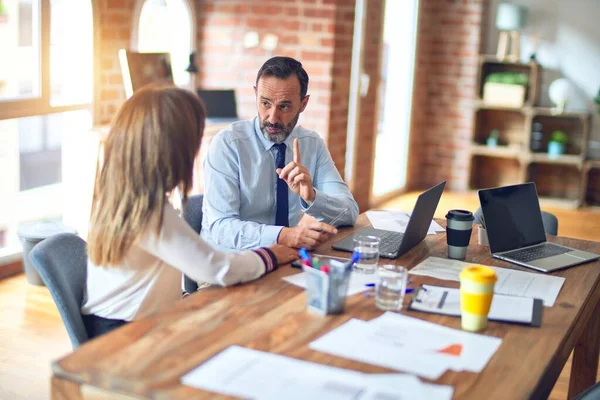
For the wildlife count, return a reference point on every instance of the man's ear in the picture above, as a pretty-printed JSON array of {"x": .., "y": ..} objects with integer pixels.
[{"x": 304, "y": 102}]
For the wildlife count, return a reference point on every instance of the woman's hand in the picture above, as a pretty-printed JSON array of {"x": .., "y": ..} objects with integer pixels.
[{"x": 284, "y": 254}]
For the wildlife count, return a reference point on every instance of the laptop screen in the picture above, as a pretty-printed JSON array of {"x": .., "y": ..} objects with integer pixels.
[
  {"x": 513, "y": 218},
  {"x": 219, "y": 103}
]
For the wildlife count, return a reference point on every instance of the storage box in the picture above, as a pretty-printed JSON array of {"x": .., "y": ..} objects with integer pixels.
[{"x": 504, "y": 95}]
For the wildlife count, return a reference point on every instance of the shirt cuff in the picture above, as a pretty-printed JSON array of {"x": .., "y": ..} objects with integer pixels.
[
  {"x": 268, "y": 258},
  {"x": 270, "y": 235},
  {"x": 318, "y": 205}
]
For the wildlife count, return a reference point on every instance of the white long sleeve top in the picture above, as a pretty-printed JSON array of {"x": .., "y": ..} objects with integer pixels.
[{"x": 149, "y": 277}]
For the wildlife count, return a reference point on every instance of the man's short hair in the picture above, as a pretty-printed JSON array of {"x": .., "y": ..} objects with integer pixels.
[{"x": 283, "y": 68}]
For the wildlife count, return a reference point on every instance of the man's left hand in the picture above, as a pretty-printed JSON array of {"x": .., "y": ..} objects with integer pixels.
[{"x": 297, "y": 176}]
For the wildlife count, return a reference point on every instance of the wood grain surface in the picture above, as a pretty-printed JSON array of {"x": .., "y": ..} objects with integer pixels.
[{"x": 147, "y": 358}]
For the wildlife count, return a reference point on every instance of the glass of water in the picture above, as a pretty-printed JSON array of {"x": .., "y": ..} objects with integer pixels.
[
  {"x": 390, "y": 287},
  {"x": 368, "y": 249}
]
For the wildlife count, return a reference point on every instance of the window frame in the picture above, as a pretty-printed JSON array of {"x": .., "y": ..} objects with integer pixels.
[{"x": 38, "y": 106}]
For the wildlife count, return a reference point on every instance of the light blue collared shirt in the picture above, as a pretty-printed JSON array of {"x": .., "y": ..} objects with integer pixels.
[{"x": 241, "y": 183}]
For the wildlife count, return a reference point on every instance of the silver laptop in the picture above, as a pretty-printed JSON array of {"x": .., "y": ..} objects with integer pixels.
[
  {"x": 394, "y": 244},
  {"x": 515, "y": 230}
]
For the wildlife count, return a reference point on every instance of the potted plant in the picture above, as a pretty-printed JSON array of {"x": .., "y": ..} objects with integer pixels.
[
  {"x": 557, "y": 143},
  {"x": 492, "y": 140},
  {"x": 597, "y": 101}
]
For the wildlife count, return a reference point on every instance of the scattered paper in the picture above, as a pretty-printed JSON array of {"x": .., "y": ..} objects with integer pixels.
[
  {"x": 356, "y": 285},
  {"x": 247, "y": 373},
  {"x": 409, "y": 344},
  {"x": 397, "y": 221},
  {"x": 510, "y": 282},
  {"x": 477, "y": 349}
]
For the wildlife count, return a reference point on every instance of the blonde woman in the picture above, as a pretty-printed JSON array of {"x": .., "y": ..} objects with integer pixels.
[{"x": 138, "y": 246}]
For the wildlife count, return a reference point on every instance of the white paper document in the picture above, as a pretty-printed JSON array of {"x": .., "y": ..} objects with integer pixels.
[
  {"x": 475, "y": 349},
  {"x": 510, "y": 282},
  {"x": 247, "y": 373},
  {"x": 356, "y": 285},
  {"x": 397, "y": 221},
  {"x": 408, "y": 344},
  {"x": 445, "y": 300}
]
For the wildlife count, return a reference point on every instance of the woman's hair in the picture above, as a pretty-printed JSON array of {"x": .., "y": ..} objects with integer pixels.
[{"x": 150, "y": 151}]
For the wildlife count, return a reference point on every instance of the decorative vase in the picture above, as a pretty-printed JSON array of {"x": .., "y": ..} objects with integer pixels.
[
  {"x": 491, "y": 142},
  {"x": 555, "y": 149}
]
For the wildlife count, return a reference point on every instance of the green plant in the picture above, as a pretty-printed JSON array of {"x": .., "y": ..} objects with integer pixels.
[
  {"x": 559, "y": 136},
  {"x": 597, "y": 101},
  {"x": 508, "y": 78}
]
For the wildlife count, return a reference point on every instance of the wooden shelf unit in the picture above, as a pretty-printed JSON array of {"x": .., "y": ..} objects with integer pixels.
[{"x": 561, "y": 180}]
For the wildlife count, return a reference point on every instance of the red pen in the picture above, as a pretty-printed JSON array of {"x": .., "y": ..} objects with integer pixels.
[{"x": 325, "y": 268}]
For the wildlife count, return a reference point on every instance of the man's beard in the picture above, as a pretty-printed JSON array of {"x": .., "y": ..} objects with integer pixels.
[{"x": 283, "y": 133}]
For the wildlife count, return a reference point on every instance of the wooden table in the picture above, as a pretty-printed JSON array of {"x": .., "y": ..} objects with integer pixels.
[{"x": 148, "y": 357}]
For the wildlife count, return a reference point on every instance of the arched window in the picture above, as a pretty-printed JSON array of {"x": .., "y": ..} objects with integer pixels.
[{"x": 166, "y": 26}]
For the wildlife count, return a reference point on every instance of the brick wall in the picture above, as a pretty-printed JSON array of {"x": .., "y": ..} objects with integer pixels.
[
  {"x": 114, "y": 20},
  {"x": 448, "y": 43},
  {"x": 306, "y": 30}
]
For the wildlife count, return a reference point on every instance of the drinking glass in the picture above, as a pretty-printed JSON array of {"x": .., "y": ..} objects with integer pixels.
[
  {"x": 368, "y": 249},
  {"x": 390, "y": 287}
]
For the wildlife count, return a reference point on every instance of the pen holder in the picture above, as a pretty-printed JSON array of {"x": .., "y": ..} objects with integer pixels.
[{"x": 326, "y": 292}]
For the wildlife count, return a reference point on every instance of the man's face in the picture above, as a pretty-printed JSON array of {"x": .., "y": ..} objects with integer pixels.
[{"x": 279, "y": 106}]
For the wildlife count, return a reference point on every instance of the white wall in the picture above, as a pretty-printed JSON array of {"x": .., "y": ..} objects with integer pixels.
[{"x": 569, "y": 46}]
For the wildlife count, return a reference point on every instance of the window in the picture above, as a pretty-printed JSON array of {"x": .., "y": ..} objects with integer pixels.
[
  {"x": 46, "y": 89},
  {"x": 166, "y": 26}
]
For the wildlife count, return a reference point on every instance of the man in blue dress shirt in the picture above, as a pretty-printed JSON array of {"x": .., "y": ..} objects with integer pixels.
[{"x": 263, "y": 175}]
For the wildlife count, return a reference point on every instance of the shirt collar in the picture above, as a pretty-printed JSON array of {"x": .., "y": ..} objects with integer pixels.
[{"x": 267, "y": 144}]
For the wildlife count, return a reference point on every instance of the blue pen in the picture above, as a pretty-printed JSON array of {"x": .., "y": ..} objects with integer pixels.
[
  {"x": 305, "y": 257},
  {"x": 353, "y": 260},
  {"x": 373, "y": 285},
  {"x": 407, "y": 290}
]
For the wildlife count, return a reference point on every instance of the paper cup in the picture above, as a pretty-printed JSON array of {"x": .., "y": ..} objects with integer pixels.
[{"x": 476, "y": 292}]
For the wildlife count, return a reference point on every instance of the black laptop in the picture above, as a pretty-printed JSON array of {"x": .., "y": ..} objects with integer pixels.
[
  {"x": 394, "y": 244},
  {"x": 513, "y": 221},
  {"x": 220, "y": 105}
]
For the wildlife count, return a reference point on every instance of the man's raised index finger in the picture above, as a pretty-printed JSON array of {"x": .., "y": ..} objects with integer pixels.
[{"x": 297, "y": 151}]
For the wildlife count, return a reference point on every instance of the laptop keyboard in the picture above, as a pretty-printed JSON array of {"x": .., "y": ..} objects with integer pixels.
[
  {"x": 389, "y": 242},
  {"x": 535, "y": 253}
]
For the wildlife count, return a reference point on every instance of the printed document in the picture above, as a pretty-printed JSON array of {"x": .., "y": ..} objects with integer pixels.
[
  {"x": 510, "y": 282},
  {"x": 248, "y": 373},
  {"x": 396, "y": 221}
]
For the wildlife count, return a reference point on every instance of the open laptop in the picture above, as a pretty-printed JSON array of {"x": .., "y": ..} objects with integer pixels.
[
  {"x": 220, "y": 105},
  {"x": 515, "y": 230},
  {"x": 394, "y": 244}
]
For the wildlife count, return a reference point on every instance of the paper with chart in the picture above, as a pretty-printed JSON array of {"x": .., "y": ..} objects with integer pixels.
[
  {"x": 249, "y": 373},
  {"x": 408, "y": 344},
  {"x": 445, "y": 300},
  {"x": 510, "y": 282},
  {"x": 477, "y": 349},
  {"x": 396, "y": 221},
  {"x": 356, "y": 285}
]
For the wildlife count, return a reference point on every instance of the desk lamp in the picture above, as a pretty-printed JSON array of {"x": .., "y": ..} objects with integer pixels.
[{"x": 510, "y": 18}]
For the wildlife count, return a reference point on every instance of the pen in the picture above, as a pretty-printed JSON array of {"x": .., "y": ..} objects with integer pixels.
[
  {"x": 305, "y": 257},
  {"x": 336, "y": 219},
  {"x": 406, "y": 291},
  {"x": 373, "y": 285}
]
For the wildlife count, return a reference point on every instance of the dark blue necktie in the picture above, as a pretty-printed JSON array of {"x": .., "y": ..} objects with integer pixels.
[{"x": 282, "y": 212}]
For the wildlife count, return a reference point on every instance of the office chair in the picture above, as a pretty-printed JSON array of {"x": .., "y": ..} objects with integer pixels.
[
  {"x": 192, "y": 214},
  {"x": 61, "y": 262},
  {"x": 550, "y": 221},
  {"x": 592, "y": 393}
]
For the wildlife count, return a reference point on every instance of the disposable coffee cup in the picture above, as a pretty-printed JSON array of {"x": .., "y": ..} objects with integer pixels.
[
  {"x": 459, "y": 224},
  {"x": 476, "y": 293}
]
